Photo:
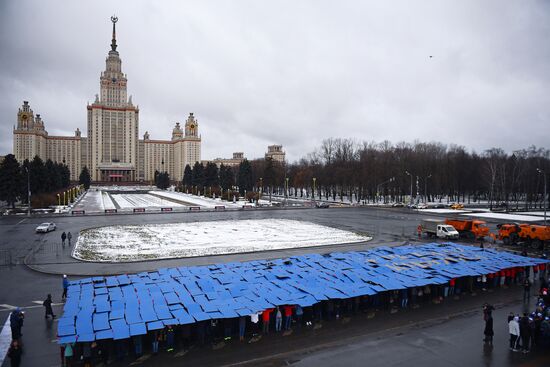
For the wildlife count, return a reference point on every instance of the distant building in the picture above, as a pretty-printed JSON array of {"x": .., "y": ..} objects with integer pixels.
[
  {"x": 276, "y": 153},
  {"x": 238, "y": 157},
  {"x": 111, "y": 151}
]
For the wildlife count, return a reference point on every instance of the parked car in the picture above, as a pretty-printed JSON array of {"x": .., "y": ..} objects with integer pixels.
[
  {"x": 398, "y": 205},
  {"x": 421, "y": 206},
  {"x": 322, "y": 205},
  {"x": 45, "y": 228},
  {"x": 457, "y": 206}
]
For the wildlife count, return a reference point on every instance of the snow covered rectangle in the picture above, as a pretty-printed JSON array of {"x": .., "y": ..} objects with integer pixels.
[{"x": 162, "y": 241}]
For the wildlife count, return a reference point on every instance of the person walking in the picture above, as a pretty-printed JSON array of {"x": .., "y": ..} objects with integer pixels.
[
  {"x": 63, "y": 237},
  {"x": 69, "y": 237},
  {"x": 48, "y": 305},
  {"x": 65, "y": 286},
  {"x": 513, "y": 329},
  {"x": 16, "y": 323},
  {"x": 14, "y": 352},
  {"x": 526, "y": 290},
  {"x": 489, "y": 330}
]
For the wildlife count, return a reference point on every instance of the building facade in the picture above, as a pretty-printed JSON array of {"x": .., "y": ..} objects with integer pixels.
[
  {"x": 276, "y": 153},
  {"x": 112, "y": 150}
]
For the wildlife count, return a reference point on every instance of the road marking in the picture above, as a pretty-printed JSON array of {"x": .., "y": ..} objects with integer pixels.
[
  {"x": 141, "y": 359},
  {"x": 10, "y": 307},
  {"x": 5, "y": 340},
  {"x": 21, "y": 221}
]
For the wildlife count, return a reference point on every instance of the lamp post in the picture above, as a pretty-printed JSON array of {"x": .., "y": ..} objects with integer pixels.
[
  {"x": 28, "y": 191},
  {"x": 58, "y": 200},
  {"x": 383, "y": 183},
  {"x": 64, "y": 198},
  {"x": 261, "y": 187},
  {"x": 426, "y": 187},
  {"x": 408, "y": 174},
  {"x": 545, "y": 204},
  {"x": 286, "y": 187},
  {"x": 314, "y": 181}
]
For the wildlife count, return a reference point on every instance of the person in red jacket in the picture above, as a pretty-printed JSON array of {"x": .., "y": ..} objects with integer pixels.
[
  {"x": 265, "y": 320},
  {"x": 287, "y": 310}
]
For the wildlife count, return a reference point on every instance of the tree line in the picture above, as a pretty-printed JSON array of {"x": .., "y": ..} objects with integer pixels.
[
  {"x": 37, "y": 176},
  {"x": 370, "y": 172}
]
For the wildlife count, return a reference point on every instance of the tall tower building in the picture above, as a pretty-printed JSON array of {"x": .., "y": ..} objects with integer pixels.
[
  {"x": 112, "y": 150},
  {"x": 113, "y": 124}
]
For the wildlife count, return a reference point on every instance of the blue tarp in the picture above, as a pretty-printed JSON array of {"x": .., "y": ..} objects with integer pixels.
[{"x": 124, "y": 305}]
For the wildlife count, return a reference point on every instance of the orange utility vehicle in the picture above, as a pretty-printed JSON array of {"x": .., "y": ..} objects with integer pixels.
[
  {"x": 472, "y": 229},
  {"x": 508, "y": 233},
  {"x": 533, "y": 235}
]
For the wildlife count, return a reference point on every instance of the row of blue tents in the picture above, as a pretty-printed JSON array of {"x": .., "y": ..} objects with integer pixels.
[{"x": 118, "y": 307}]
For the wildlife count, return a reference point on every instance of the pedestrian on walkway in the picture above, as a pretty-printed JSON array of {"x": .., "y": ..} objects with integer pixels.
[
  {"x": 69, "y": 354},
  {"x": 513, "y": 329},
  {"x": 525, "y": 333},
  {"x": 138, "y": 348},
  {"x": 265, "y": 320},
  {"x": 16, "y": 323},
  {"x": 48, "y": 305},
  {"x": 63, "y": 237},
  {"x": 65, "y": 286},
  {"x": 288, "y": 316},
  {"x": 170, "y": 339},
  {"x": 242, "y": 327},
  {"x": 278, "y": 320},
  {"x": 526, "y": 289},
  {"x": 489, "y": 330},
  {"x": 15, "y": 353},
  {"x": 299, "y": 314},
  {"x": 254, "y": 319},
  {"x": 69, "y": 237},
  {"x": 155, "y": 343}
]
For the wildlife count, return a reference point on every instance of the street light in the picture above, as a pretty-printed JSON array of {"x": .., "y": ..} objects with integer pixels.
[
  {"x": 286, "y": 187},
  {"x": 58, "y": 200},
  {"x": 545, "y": 204},
  {"x": 383, "y": 183},
  {"x": 426, "y": 187},
  {"x": 408, "y": 174},
  {"x": 28, "y": 191},
  {"x": 314, "y": 181}
]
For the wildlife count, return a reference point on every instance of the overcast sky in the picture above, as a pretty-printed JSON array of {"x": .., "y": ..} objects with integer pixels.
[{"x": 289, "y": 72}]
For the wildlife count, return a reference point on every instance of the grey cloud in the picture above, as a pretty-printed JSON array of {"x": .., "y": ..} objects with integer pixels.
[{"x": 293, "y": 73}]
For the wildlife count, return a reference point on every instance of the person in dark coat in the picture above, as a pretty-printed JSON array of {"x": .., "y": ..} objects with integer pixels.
[
  {"x": 65, "y": 286},
  {"x": 63, "y": 238},
  {"x": 489, "y": 330},
  {"x": 525, "y": 333},
  {"x": 48, "y": 305},
  {"x": 16, "y": 323},
  {"x": 69, "y": 237},
  {"x": 15, "y": 353}
]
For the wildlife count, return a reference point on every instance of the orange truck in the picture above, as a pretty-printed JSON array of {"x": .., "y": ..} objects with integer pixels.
[
  {"x": 508, "y": 233},
  {"x": 533, "y": 235},
  {"x": 472, "y": 229}
]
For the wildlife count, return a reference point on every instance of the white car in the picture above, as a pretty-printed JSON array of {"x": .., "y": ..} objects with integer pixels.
[{"x": 45, "y": 227}]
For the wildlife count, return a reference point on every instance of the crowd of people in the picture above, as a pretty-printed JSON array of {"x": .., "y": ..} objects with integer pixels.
[
  {"x": 285, "y": 318},
  {"x": 531, "y": 330}
]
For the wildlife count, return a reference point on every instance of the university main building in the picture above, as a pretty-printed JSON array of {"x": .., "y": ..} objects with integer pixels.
[{"x": 112, "y": 151}]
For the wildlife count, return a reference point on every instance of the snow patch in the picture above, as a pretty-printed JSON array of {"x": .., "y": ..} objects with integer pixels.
[
  {"x": 164, "y": 241},
  {"x": 506, "y": 217}
]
